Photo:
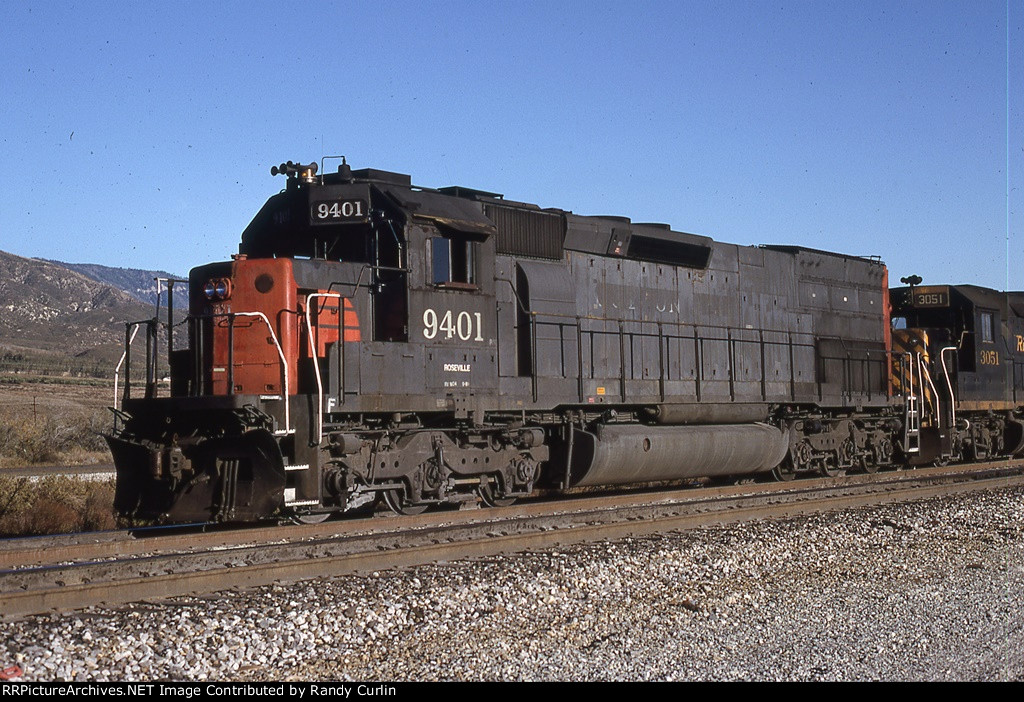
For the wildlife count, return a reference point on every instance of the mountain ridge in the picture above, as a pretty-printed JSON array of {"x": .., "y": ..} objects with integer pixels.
[
  {"x": 58, "y": 319},
  {"x": 139, "y": 283}
]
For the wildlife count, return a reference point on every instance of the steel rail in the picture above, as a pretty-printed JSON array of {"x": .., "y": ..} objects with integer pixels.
[
  {"x": 91, "y": 546},
  {"x": 410, "y": 541}
]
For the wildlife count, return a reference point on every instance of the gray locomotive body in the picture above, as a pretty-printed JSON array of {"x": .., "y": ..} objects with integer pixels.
[{"x": 436, "y": 346}]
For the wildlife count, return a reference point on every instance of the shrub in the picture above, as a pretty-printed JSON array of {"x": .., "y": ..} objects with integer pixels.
[
  {"x": 59, "y": 437},
  {"x": 55, "y": 505}
]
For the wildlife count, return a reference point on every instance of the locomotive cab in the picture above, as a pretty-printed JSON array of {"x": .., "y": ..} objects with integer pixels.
[{"x": 970, "y": 367}]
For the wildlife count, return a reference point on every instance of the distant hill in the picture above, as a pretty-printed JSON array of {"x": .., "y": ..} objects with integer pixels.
[
  {"x": 55, "y": 320},
  {"x": 139, "y": 284}
]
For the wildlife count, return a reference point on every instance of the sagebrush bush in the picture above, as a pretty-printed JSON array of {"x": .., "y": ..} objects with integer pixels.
[
  {"x": 55, "y": 505},
  {"x": 59, "y": 436}
]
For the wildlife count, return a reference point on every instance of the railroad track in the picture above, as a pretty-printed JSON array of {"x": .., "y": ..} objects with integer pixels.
[{"x": 76, "y": 571}]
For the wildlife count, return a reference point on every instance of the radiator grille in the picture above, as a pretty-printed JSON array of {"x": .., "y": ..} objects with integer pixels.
[{"x": 527, "y": 233}]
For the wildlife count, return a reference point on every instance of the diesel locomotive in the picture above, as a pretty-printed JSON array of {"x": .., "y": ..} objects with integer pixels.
[{"x": 373, "y": 340}]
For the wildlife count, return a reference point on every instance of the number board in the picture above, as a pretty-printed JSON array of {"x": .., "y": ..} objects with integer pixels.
[
  {"x": 931, "y": 297},
  {"x": 338, "y": 211}
]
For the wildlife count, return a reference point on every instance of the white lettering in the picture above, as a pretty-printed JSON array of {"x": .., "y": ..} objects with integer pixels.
[
  {"x": 464, "y": 325},
  {"x": 446, "y": 324},
  {"x": 339, "y": 209},
  {"x": 429, "y": 323}
]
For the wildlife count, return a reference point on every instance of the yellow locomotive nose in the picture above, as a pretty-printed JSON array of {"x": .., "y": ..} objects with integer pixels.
[{"x": 912, "y": 342}]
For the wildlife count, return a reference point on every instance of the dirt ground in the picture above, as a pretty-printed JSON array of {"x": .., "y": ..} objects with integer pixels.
[
  {"x": 38, "y": 396},
  {"x": 45, "y": 422}
]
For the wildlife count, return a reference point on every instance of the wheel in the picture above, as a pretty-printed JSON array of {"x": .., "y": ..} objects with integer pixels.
[
  {"x": 799, "y": 456},
  {"x": 881, "y": 456},
  {"x": 395, "y": 500},
  {"x": 486, "y": 493},
  {"x": 847, "y": 454},
  {"x": 784, "y": 472},
  {"x": 311, "y": 518},
  {"x": 829, "y": 467},
  {"x": 867, "y": 462}
]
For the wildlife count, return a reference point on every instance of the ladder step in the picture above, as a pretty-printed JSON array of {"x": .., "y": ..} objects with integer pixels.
[
  {"x": 290, "y": 501},
  {"x": 301, "y": 503},
  {"x": 912, "y": 438}
]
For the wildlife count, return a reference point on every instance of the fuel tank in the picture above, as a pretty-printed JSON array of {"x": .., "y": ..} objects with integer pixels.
[{"x": 618, "y": 454}]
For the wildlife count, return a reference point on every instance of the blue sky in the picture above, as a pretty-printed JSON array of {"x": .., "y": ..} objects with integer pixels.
[{"x": 142, "y": 134}]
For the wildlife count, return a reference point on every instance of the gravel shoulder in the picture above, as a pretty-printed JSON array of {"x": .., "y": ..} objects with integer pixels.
[{"x": 931, "y": 590}]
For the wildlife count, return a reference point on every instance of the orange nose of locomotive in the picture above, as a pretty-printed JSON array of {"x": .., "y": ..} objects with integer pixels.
[
  {"x": 252, "y": 324},
  {"x": 261, "y": 324}
]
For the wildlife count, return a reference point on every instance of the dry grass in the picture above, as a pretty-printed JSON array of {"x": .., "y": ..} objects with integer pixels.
[
  {"x": 63, "y": 437},
  {"x": 53, "y": 424},
  {"x": 55, "y": 505}
]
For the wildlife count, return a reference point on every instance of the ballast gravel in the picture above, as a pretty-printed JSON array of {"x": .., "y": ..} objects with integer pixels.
[{"x": 930, "y": 590}]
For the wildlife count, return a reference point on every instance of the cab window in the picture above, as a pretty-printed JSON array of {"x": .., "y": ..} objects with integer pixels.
[
  {"x": 454, "y": 262},
  {"x": 986, "y": 327}
]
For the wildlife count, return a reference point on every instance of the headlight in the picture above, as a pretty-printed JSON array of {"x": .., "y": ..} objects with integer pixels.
[{"x": 217, "y": 289}]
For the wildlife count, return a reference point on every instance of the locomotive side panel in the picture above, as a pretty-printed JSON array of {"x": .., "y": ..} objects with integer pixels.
[{"x": 647, "y": 332}]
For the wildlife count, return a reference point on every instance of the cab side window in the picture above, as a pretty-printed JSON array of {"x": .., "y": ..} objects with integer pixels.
[
  {"x": 985, "y": 332},
  {"x": 454, "y": 262}
]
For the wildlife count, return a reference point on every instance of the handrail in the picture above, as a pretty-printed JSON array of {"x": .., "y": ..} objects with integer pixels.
[
  {"x": 949, "y": 383},
  {"x": 519, "y": 300},
  {"x": 667, "y": 332},
  {"x": 362, "y": 269},
  {"x": 908, "y": 371},
  {"x": 912, "y": 425},
  {"x": 920, "y": 373},
  {"x": 117, "y": 369},
  {"x": 875, "y": 376},
  {"x": 316, "y": 361},
  {"x": 284, "y": 362},
  {"x": 170, "y": 283},
  {"x": 935, "y": 393},
  {"x": 230, "y": 315}
]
